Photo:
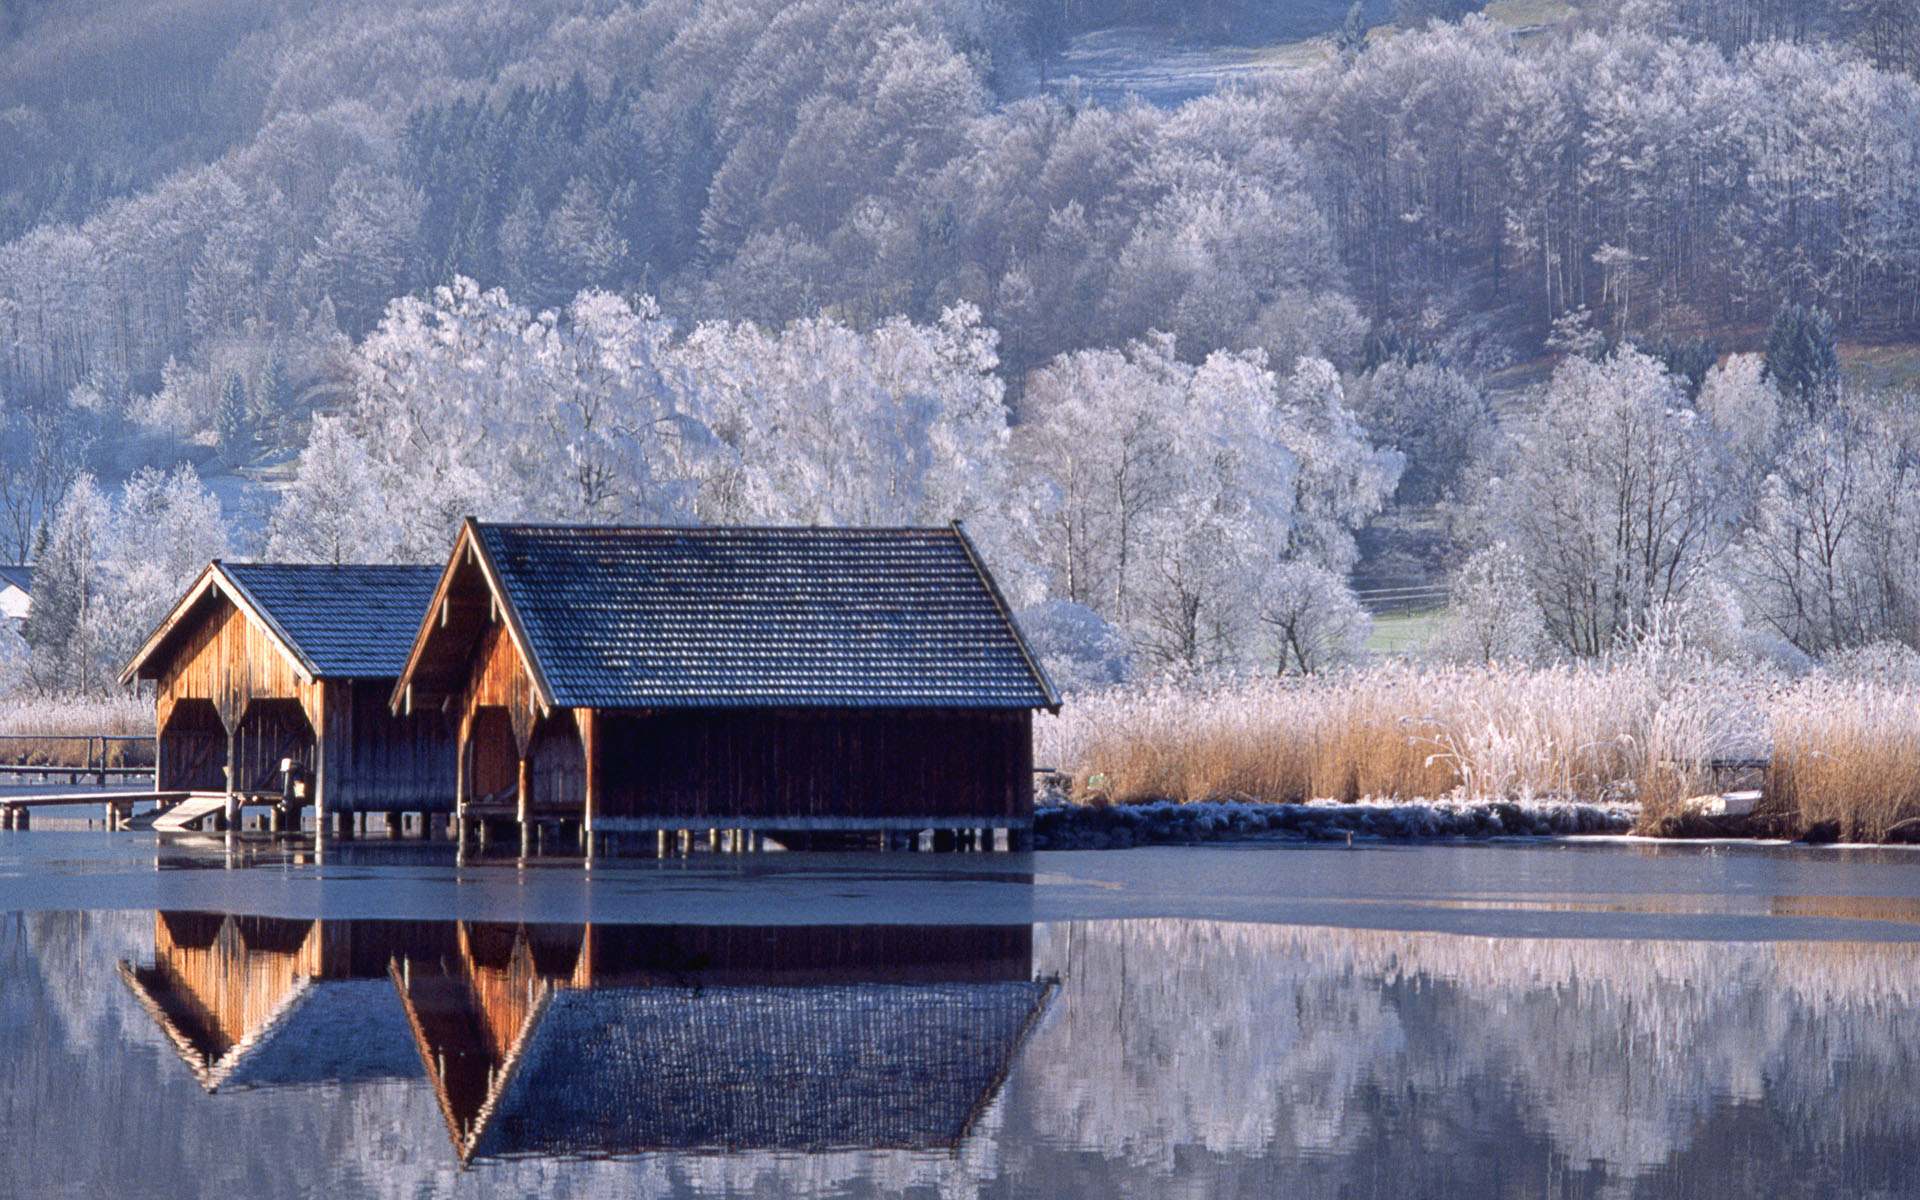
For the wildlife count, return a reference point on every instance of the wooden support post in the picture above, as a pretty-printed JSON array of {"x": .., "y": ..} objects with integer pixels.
[
  {"x": 233, "y": 783},
  {"x": 462, "y": 776},
  {"x": 323, "y": 737},
  {"x": 588, "y": 721},
  {"x": 523, "y": 803}
]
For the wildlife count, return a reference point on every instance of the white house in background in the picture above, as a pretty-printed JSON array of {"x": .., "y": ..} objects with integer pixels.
[{"x": 16, "y": 592}]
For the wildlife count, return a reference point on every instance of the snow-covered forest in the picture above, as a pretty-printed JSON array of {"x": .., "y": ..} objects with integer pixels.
[{"x": 315, "y": 280}]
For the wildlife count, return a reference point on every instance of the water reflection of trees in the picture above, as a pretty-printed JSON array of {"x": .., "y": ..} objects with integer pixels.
[{"x": 1419, "y": 1059}]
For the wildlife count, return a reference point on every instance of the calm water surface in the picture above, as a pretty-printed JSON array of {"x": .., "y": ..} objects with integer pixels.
[{"x": 1590, "y": 1019}]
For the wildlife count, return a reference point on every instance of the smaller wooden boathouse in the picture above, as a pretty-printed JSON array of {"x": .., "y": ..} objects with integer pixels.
[
  {"x": 730, "y": 682},
  {"x": 265, "y": 665}
]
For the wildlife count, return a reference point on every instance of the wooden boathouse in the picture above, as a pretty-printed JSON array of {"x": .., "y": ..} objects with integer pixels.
[
  {"x": 265, "y": 664},
  {"x": 729, "y": 682}
]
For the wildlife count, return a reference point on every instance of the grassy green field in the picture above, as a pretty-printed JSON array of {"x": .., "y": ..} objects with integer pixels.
[
  {"x": 1893, "y": 367},
  {"x": 1403, "y": 633}
]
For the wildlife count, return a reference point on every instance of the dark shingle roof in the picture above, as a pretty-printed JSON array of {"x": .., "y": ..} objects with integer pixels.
[
  {"x": 620, "y": 1070},
  {"x": 351, "y": 621},
  {"x": 19, "y": 576},
  {"x": 693, "y": 617}
]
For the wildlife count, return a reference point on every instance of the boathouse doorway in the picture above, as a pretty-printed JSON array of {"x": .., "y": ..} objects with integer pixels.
[{"x": 193, "y": 749}]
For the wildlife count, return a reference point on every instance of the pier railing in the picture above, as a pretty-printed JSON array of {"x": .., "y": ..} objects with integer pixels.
[{"x": 98, "y": 757}]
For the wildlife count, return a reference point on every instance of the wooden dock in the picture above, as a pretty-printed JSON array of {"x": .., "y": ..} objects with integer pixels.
[
  {"x": 97, "y": 758},
  {"x": 16, "y": 812}
]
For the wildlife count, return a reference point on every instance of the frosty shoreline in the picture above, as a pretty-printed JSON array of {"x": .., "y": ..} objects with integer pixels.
[{"x": 1085, "y": 827}]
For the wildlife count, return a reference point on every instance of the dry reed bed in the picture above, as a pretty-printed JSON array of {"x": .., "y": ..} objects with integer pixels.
[
  {"x": 55, "y": 728},
  {"x": 1643, "y": 728}
]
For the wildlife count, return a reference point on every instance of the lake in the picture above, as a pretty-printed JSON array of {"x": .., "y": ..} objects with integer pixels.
[{"x": 1587, "y": 1018}]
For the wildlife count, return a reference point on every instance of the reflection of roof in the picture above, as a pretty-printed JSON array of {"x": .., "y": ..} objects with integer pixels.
[
  {"x": 321, "y": 1031},
  {"x": 341, "y": 1030},
  {"x": 627, "y": 1070},
  {"x": 348, "y": 620},
  {"x": 14, "y": 575},
  {"x": 716, "y": 617}
]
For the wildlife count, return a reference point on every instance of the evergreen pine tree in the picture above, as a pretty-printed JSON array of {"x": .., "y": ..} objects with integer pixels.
[
  {"x": 231, "y": 423},
  {"x": 271, "y": 392},
  {"x": 1352, "y": 35},
  {"x": 1801, "y": 359},
  {"x": 1688, "y": 361}
]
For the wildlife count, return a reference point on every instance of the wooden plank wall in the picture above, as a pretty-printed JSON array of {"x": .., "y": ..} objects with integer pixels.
[
  {"x": 818, "y": 763},
  {"x": 497, "y": 678},
  {"x": 389, "y": 763},
  {"x": 271, "y": 731},
  {"x": 231, "y": 661},
  {"x": 559, "y": 763}
]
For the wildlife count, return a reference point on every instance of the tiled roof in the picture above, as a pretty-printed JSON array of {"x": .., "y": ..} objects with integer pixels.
[
  {"x": 344, "y": 621},
  {"x": 731, "y": 617},
  {"x": 19, "y": 576},
  {"x": 630, "y": 1070}
]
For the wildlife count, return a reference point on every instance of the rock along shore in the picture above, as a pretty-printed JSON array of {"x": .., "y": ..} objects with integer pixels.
[{"x": 1087, "y": 827}]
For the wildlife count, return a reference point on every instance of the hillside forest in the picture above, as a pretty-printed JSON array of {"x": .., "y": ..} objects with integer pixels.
[{"x": 1562, "y": 313}]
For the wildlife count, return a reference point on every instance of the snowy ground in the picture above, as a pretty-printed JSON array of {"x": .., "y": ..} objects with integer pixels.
[{"x": 1112, "y": 66}]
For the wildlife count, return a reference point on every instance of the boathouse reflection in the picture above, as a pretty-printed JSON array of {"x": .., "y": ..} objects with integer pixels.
[{"x": 606, "y": 1040}]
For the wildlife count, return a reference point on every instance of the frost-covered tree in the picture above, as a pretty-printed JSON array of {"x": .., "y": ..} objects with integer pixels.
[
  {"x": 468, "y": 404},
  {"x": 1801, "y": 358},
  {"x": 110, "y": 571},
  {"x": 166, "y": 527},
  {"x": 336, "y": 509},
  {"x": 1434, "y": 415},
  {"x": 47, "y": 451},
  {"x": 67, "y": 630},
  {"x": 1491, "y": 613},
  {"x": 1173, "y": 489},
  {"x": 1078, "y": 648},
  {"x": 1313, "y": 617},
  {"x": 1612, "y": 494},
  {"x": 1831, "y": 559},
  {"x": 233, "y": 426}
]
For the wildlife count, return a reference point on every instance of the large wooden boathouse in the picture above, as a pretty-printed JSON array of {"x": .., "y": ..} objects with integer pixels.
[
  {"x": 729, "y": 681},
  {"x": 261, "y": 665}
]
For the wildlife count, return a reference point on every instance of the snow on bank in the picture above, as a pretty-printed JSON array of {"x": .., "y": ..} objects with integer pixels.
[{"x": 1086, "y": 827}]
